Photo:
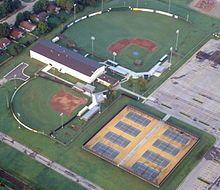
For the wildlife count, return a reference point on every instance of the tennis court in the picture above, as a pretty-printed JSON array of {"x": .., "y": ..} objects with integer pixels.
[{"x": 142, "y": 145}]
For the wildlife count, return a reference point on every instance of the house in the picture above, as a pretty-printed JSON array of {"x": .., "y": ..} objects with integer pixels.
[
  {"x": 107, "y": 80},
  {"x": 16, "y": 33},
  {"x": 4, "y": 42},
  {"x": 42, "y": 16},
  {"x": 52, "y": 8},
  {"x": 27, "y": 26},
  {"x": 67, "y": 61}
]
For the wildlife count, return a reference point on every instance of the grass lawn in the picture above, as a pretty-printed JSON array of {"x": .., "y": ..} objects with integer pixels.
[
  {"x": 4, "y": 57},
  {"x": 93, "y": 168},
  {"x": 27, "y": 40},
  {"x": 32, "y": 102},
  {"x": 25, "y": 168}
]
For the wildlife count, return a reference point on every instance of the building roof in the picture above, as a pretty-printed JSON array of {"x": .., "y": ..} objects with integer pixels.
[
  {"x": 108, "y": 79},
  {"x": 52, "y": 7},
  {"x": 4, "y": 42},
  {"x": 27, "y": 25},
  {"x": 16, "y": 33},
  {"x": 66, "y": 57},
  {"x": 39, "y": 17}
]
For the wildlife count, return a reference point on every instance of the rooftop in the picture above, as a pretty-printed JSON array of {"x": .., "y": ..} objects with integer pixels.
[
  {"x": 4, "y": 42},
  {"x": 66, "y": 57}
]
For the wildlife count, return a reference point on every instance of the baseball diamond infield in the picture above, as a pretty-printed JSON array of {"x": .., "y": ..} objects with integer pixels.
[
  {"x": 64, "y": 102},
  {"x": 152, "y": 32},
  {"x": 121, "y": 44}
]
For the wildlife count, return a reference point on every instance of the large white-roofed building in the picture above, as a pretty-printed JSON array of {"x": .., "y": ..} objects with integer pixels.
[{"x": 67, "y": 61}]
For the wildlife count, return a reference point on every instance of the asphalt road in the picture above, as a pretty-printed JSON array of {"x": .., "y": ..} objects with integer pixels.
[
  {"x": 11, "y": 19},
  {"x": 48, "y": 163}
]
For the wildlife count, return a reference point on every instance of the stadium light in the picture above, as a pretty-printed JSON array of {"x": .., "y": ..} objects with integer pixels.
[
  {"x": 74, "y": 12},
  {"x": 171, "y": 54},
  {"x": 114, "y": 56},
  {"x": 102, "y": 5},
  {"x": 61, "y": 117},
  {"x": 177, "y": 39},
  {"x": 19, "y": 115},
  {"x": 169, "y": 8},
  {"x": 93, "y": 39},
  {"x": 15, "y": 82}
]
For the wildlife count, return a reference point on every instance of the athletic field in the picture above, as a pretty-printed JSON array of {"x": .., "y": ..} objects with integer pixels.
[
  {"x": 116, "y": 26},
  {"x": 44, "y": 105},
  {"x": 141, "y": 145}
]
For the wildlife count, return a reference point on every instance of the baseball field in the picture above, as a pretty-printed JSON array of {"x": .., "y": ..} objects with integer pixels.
[
  {"x": 135, "y": 36},
  {"x": 73, "y": 156},
  {"x": 44, "y": 105}
]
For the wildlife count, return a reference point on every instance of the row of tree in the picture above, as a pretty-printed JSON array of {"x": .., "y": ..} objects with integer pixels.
[{"x": 9, "y": 6}]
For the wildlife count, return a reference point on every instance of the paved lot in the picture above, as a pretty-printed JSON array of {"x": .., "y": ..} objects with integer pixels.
[
  {"x": 48, "y": 163},
  {"x": 192, "y": 94},
  {"x": 17, "y": 73},
  {"x": 205, "y": 176}
]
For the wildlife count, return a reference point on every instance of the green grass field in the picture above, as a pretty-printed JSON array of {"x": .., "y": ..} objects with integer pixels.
[
  {"x": 32, "y": 102},
  {"x": 114, "y": 26},
  {"x": 72, "y": 156},
  {"x": 32, "y": 172},
  {"x": 93, "y": 168}
]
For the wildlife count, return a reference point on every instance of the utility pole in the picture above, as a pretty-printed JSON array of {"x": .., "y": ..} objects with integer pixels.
[{"x": 177, "y": 39}]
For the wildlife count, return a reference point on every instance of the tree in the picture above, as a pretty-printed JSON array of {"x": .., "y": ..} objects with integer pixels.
[
  {"x": 142, "y": 84},
  {"x": 3, "y": 11},
  {"x": 26, "y": 15},
  {"x": 69, "y": 5},
  {"x": 42, "y": 27},
  {"x": 40, "y": 6},
  {"x": 61, "y": 3},
  {"x": 19, "y": 19},
  {"x": 4, "y": 30},
  {"x": 130, "y": 82}
]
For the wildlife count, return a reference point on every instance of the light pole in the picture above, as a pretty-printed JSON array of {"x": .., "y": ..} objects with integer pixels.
[
  {"x": 137, "y": 3},
  {"x": 114, "y": 56},
  {"x": 7, "y": 100},
  {"x": 102, "y": 5},
  {"x": 124, "y": 3},
  {"x": 169, "y": 8},
  {"x": 171, "y": 54},
  {"x": 19, "y": 115},
  {"x": 74, "y": 12},
  {"x": 93, "y": 39},
  {"x": 177, "y": 39},
  {"x": 61, "y": 117},
  {"x": 187, "y": 17},
  {"x": 15, "y": 83}
]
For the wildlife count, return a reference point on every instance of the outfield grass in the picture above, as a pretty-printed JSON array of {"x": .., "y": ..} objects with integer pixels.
[
  {"x": 32, "y": 102},
  {"x": 114, "y": 27}
]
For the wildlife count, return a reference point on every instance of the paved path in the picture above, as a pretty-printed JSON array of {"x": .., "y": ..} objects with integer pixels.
[
  {"x": 27, "y": 7},
  {"x": 48, "y": 163},
  {"x": 119, "y": 87},
  {"x": 17, "y": 73},
  {"x": 146, "y": 138}
]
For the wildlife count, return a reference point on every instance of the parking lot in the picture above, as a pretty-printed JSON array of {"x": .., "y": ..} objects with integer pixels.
[{"x": 192, "y": 94}]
